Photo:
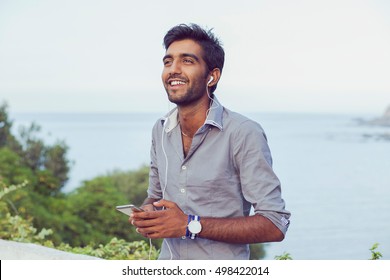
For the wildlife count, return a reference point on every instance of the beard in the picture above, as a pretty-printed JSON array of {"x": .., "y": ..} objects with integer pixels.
[{"x": 189, "y": 96}]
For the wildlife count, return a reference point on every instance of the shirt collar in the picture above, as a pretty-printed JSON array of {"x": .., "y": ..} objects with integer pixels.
[
  {"x": 214, "y": 117},
  {"x": 215, "y": 114}
]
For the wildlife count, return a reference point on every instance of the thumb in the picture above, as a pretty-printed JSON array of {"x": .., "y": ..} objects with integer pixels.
[{"x": 164, "y": 203}]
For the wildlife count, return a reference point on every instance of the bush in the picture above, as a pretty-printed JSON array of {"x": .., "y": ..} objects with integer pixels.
[{"x": 16, "y": 228}]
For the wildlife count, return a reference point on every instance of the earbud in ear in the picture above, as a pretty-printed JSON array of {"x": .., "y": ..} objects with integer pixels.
[{"x": 211, "y": 79}]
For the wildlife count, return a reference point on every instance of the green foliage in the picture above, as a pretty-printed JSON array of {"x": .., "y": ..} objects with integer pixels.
[
  {"x": 56, "y": 162},
  {"x": 15, "y": 227},
  {"x": 19, "y": 229},
  {"x": 11, "y": 188},
  {"x": 132, "y": 184},
  {"x": 94, "y": 203},
  {"x": 27, "y": 157},
  {"x": 375, "y": 255},
  {"x": 12, "y": 170},
  {"x": 116, "y": 249},
  {"x": 48, "y": 162},
  {"x": 33, "y": 147},
  {"x": 44, "y": 166},
  {"x": 283, "y": 257},
  {"x": 6, "y": 138}
]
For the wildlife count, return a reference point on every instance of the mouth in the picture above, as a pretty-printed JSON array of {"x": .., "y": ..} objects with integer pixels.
[{"x": 176, "y": 82}]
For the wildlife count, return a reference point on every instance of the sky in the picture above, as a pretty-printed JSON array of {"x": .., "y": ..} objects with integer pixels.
[{"x": 281, "y": 56}]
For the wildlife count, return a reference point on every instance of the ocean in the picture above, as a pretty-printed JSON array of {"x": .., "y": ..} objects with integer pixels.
[{"x": 335, "y": 172}]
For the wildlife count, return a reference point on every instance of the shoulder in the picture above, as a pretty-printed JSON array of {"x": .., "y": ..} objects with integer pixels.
[
  {"x": 237, "y": 123},
  {"x": 157, "y": 129},
  {"x": 159, "y": 123},
  {"x": 248, "y": 138}
]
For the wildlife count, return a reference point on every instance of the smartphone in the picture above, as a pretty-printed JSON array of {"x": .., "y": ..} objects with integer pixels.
[{"x": 128, "y": 209}]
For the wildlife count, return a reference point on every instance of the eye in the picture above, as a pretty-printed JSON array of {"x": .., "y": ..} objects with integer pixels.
[
  {"x": 167, "y": 62},
  {"x": 188, "y": 61}
]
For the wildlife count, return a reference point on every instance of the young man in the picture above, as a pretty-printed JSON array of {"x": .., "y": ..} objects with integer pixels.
[{"x": 209, "y": 165}]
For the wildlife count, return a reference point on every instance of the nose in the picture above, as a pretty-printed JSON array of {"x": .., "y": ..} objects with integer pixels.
[{"x": 175, "y": 68}]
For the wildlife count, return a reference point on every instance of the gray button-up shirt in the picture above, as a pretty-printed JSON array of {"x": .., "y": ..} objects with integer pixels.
[{"x": 227, "y": 171}]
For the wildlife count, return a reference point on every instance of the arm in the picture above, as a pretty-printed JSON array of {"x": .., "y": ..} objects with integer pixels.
[
  {"x": 172, "y": 223},
  {"x": 252, "y": 229}
]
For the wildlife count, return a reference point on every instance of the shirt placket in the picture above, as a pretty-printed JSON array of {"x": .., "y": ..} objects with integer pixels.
[
  {"x": 182, "y": 195},
  {"x": 183, "y": 191}
]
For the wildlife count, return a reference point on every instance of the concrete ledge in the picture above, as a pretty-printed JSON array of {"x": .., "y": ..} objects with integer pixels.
[{"x": 11, "y": 250}]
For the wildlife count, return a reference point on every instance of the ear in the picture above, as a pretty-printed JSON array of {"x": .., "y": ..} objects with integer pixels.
[{"x": 214, "y": 76}]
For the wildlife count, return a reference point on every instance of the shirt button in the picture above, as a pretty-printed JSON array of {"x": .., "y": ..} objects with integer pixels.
[
  {"x": 182, "y": 190},
  {"x": 184, "y": 167}
]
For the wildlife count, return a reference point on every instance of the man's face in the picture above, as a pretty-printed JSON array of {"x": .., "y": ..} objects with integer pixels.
[{"x": 185, "y": 72}]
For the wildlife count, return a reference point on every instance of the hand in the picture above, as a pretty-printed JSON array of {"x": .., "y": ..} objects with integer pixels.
[
  {"x": 146, "y": 208},
  {"x": 168, "y": 223}
]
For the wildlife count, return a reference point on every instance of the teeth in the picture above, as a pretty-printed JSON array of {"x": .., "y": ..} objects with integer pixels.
[{"x": 175, "y": 83}]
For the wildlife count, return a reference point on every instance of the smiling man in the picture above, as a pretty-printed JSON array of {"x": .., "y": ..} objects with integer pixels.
[{"x": 209, "y": 166}]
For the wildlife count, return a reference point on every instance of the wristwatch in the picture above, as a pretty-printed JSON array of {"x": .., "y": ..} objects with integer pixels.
[{"x": 194, "y": 226}]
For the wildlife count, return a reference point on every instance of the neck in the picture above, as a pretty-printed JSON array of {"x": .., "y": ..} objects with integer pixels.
[{"x": 193, "y": 117}]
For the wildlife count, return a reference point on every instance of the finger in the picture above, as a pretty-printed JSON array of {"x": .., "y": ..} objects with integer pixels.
[
  {"x": 154, "y": 235},
  {"x": 134, "y": 220},
  {"x": 149, "y": 232},
  {"x": 147, "y": 223},
  {"x": 165, "y": 203},
  {"x": 131, "y": 221},
  {"x": 140, "y": 216},
  {"x": 140, "y": 223},
  {"x": 143, "y": 232}
]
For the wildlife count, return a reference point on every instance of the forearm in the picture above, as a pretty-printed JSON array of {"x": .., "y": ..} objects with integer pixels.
[
  {"x": 172, "y": 222},
  {"x": 252, "y": 229}
]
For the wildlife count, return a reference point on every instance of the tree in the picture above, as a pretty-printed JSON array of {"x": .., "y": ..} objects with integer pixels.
[
  {"x": 6, "y": 138},
  {"x": 95, "y": 202},
  {"x": 12, "y": 170},
  {"x": 16, "y": 228},
  {"x": 44, "y": 167},
  {"x": 49, "y": 163},
  {"x": 56, "y": 162}
]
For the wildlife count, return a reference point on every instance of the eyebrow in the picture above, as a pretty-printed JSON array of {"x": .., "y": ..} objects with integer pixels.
[{"x": 183, "y": 55}]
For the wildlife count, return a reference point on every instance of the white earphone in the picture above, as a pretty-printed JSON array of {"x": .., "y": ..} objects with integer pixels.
[{"x": 211, "y": 79}]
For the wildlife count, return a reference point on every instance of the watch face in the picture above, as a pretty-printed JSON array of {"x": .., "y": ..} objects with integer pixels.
[{"x": 194, "y": 227}]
